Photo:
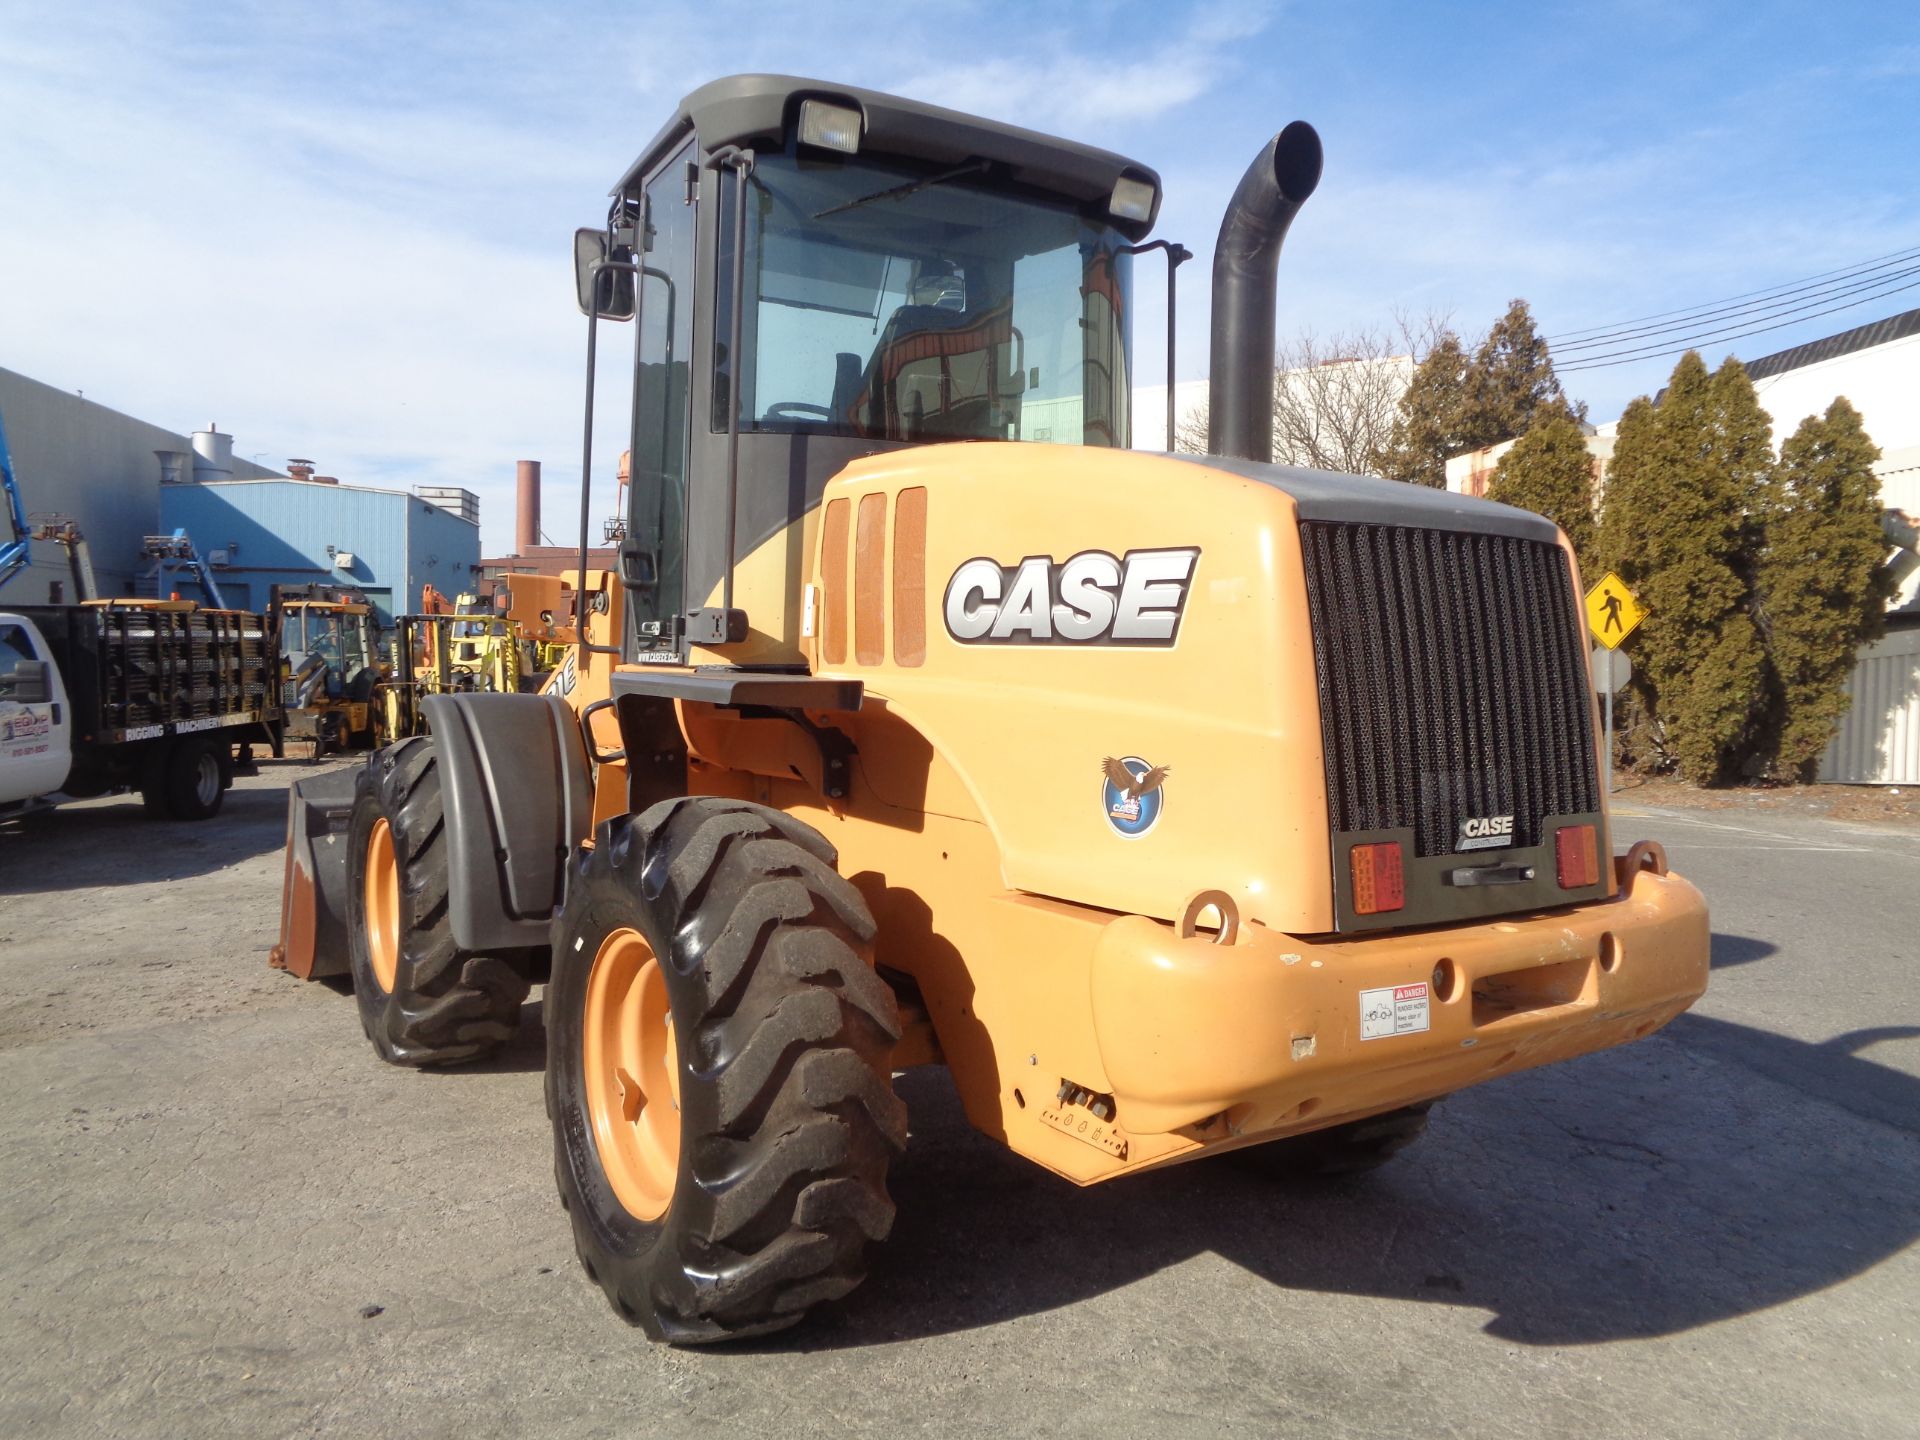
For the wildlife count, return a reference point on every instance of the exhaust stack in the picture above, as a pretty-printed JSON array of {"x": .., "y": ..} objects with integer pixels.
[
  {"x": 1246, "y": 259},
  {"x": 526, "y": 495}
]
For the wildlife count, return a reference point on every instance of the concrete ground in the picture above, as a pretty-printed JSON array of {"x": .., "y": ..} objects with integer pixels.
[{"x": 221, "y": 1216}]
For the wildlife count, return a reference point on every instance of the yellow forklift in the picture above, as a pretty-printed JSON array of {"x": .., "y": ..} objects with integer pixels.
[
  {"x": 1177, "y": 805},
  {"x": 460, "y": 647}
]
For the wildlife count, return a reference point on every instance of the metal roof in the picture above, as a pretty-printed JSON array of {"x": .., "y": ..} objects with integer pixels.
[
  {"x": 1880, "y": 332},
  {"x": 740, "y": 109}
]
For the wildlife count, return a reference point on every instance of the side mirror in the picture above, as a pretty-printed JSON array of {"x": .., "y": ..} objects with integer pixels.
[
  {"x": 27, "y": 682},
  {"x": 614, "y": 287}
]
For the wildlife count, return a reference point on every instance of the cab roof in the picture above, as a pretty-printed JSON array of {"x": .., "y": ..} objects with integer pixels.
[{"x": 742, "y": 109}]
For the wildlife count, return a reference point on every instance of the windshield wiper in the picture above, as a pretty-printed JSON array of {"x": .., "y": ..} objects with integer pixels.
[{"x": 912, "y": 187}]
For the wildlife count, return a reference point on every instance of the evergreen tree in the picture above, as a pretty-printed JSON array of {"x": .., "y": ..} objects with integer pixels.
[
  {"x": 1824, "y": 587},
  {"x": 1742, "y": 435},
  {"x": 1551, "y": 473},
  {"x": 1679, "y": 524},
  {"x": 1426, "y": 428},
  {"x": 1458, "y": 402},
  {"x": 1510, "y": 383}
]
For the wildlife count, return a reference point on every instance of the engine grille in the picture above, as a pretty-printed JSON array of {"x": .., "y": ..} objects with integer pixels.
[{"x": 1451, "y": 680}]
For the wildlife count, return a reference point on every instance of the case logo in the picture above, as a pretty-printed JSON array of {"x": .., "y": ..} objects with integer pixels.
[
  {"x": 1131, "y": 794},
  {"x": 1485, "y": 832},
  {"x": 1091, "y": 599}
]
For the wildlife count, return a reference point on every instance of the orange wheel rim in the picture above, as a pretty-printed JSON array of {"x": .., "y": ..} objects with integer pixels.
[
  {"x": 383, "y": 906},
  {"x": 632, "y": 1072}
]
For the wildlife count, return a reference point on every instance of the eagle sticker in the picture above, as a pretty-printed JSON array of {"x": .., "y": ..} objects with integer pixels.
[{"x": 1131, "y": 793}]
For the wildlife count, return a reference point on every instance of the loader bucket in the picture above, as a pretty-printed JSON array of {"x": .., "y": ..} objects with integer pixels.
[{"x": 313, "y": 897}]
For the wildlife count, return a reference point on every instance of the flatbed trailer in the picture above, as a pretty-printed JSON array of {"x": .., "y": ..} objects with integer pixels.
[{"x": 154, "y": 696}]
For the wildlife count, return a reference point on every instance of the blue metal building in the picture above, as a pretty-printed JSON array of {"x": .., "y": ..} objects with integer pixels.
[{"x": 261, "y": 533}]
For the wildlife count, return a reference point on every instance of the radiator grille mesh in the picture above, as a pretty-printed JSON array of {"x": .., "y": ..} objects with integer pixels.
[{"x": 1451, "y": 680}]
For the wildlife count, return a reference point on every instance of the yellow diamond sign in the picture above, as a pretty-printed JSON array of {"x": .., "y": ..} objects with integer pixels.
[{"x": 1612, "y": 612}]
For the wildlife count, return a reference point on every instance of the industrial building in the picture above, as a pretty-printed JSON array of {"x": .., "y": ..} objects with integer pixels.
[
  {"x": 302, "y": 529},
  {"x": 123, "y": 480},
  {"x": 77, "y": 460}
]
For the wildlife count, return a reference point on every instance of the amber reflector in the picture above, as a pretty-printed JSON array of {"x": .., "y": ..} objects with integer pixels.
[
  {"x": 1576, "y": 854},
  {"x": 1378, "y": 884}
]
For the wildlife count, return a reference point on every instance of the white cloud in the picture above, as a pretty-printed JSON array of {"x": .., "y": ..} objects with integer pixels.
[{"x": 1061, "y": 82}]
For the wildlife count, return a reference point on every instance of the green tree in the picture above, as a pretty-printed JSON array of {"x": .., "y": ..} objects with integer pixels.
[
  {"x": 1823, "y": 585},
  {"x": 1683, "y": 496},
  {"x": 1459, "y": 402},
  {"x": 1510, "y": 383},
  {"x": 1551, "y": 473},
  {"x": 1427, "y": 424}
]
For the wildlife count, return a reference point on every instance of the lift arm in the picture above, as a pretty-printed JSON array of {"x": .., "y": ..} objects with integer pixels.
[{"x": 14, "y": 550}]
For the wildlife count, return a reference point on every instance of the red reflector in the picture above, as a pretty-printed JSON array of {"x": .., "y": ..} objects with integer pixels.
[
  {"x": 1576, "y": 855},
  {"x": 1378, "y": 884}
]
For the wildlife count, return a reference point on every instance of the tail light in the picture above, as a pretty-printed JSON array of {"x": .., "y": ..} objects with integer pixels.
[
  {"x": 1576, "y": 855},
  {"x": 1379, "y": 883}
]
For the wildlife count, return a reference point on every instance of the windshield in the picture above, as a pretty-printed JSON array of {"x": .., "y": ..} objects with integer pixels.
[
  {"x": 950, "y": 311},
  {"x": 336, "y": 637}
]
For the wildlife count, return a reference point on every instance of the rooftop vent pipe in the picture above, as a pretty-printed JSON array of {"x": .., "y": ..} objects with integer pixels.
[
  {"x": 212, "y": 454},
  {"x": 1246, "y": 260}
]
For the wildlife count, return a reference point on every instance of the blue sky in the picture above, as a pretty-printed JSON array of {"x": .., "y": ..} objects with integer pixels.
[{"x": 342, "y": 230}]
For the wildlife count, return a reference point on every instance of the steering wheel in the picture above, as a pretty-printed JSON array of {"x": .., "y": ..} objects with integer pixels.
[{"x": 796, "y": 410}]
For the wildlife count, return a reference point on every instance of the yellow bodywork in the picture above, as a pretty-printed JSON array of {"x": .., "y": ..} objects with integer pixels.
[{"x": 1080, "y": 1026}]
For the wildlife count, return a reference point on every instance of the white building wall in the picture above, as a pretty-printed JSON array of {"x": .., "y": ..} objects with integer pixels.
[
  {"x": 1150, "y": 411},
  {"x": 1879, "y": 740},
  {"x": 1882, "y": 383}
]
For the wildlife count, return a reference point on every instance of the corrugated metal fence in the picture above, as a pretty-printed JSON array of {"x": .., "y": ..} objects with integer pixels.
[{"x": 1879, "y": 740}]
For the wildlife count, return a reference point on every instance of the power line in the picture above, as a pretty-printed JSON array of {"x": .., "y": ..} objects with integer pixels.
[
  {"x": 1708, "y": 307},
  {"x": 1624, "y": 358},
  {"x": 1756, "y": 310}
]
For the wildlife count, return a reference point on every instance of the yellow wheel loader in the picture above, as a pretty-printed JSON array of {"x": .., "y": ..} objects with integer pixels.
[{"x": 1176, "y": 804}]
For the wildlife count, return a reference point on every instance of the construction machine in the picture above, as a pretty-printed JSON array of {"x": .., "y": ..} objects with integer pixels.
[
  {"x": 540, "y": 610},
  {"x": 330, "y": 665},
  {"x": 1177, "y": 804},
  {"x": 451, "y": 648}
]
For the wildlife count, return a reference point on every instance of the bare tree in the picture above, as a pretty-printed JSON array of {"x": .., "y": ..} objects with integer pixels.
[{"x": 1335, "y": 396}]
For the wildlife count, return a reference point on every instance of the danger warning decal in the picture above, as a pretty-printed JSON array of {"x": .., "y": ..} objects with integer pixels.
[
  {"x": 1092, "y": 598},
  {"x": 1395, "y": 1010}
]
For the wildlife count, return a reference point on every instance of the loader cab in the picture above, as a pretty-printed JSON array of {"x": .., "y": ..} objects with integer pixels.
[
  {"x": 904, "y": 276},
  {"x": 338, "y": 637}
]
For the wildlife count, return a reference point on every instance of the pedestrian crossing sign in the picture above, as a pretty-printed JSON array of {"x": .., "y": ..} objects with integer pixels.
[{"x": 1612, "y": 612}]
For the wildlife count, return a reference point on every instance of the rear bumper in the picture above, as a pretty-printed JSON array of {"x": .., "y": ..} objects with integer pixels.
[{"x": 1264, "y": 1036}]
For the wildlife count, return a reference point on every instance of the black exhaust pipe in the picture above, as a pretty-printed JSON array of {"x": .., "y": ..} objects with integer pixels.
[{"x": 1246, "y": 259}]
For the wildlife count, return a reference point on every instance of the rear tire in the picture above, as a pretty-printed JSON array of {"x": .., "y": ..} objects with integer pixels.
[
  {"x": 1350, "y": 1149},
  {"x": 187, "y": 779},
  {"x": 772, "y": 1186},
  {"x": 423, "y": 1000}
]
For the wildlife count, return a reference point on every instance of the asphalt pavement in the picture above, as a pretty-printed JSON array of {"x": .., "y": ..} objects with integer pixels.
[{"x": 221, "y": 1216}]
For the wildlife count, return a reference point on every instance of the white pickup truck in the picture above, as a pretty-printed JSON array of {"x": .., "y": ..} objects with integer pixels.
[{"x": 151, "y": 696}]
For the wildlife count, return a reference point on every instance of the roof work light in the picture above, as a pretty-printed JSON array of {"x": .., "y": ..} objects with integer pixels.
[
  {"x": 1132, "y": 200},
  {"x": 832, "y": 127}
]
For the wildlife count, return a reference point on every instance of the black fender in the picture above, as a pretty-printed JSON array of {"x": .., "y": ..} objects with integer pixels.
[{"x": 518, "y": 792}]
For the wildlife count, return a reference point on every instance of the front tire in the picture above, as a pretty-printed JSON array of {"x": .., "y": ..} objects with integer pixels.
[
  {"x": 423, "y": 1000},
  {"x": 717, "y": 1076}
]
